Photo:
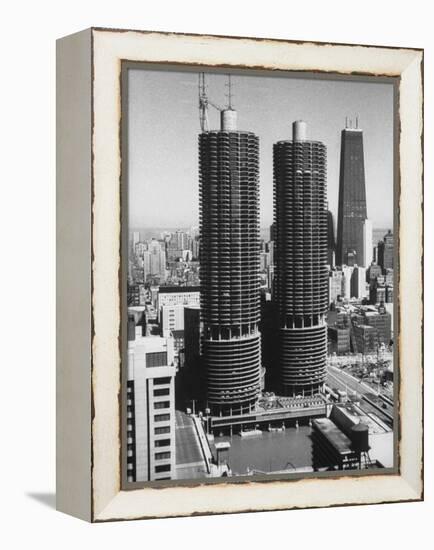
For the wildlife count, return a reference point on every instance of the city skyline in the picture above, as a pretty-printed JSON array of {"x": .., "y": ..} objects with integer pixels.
[{"x": 163, "y": 161}]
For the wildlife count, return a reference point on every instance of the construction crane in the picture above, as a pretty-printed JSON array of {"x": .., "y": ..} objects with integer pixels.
[{"x": 205, "y": 102}]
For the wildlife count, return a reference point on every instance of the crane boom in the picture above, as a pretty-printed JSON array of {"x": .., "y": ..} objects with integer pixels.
[{"x": 204, "y": 104}]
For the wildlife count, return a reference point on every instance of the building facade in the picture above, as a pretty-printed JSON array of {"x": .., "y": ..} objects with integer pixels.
[
  {"x": 352, "y": 211},
  {"x": 171, "y": 318},
  {"x": 331, "y": 244},
  {"x": 192, "y": 334},
  {"x": 339, "y": 340},
  {"x": 347, "y": 273},
  {"x": 365, "y": 338},
  {"x": 133, "y": 295},
  {"x": 377, "y": 293},
  {"x": 176, "y": 296},
  {"x": 335, "y": 285},
  {"x": 358, "y": 283},
  {"x": 301, "y": 277},
  {"x": 154, "y": 261},
  {"x": 229, "y": 260},
  {"x": 373, "y": 272},
  {"x": 368, "y": 248},
  {"x": 136, "y": 239},
  {"x": 151, "y": 449},
  {"x": 385, "y": 252},
  {"x": 382, "y": 321}
]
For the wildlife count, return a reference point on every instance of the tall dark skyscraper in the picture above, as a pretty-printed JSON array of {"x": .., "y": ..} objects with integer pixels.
[
  {"x": 330, "y": 240},
  {"x": 352, "y": 199},
  {"x": 229, "y": 260},
  {"x": 300, "y": 210}
]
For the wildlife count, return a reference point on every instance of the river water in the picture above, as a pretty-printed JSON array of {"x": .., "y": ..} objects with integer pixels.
[{"x": 270, "y": 451}]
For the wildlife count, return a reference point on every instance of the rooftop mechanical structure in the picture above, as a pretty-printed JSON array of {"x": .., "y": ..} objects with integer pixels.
[
  {"x": 229, "y": 262},
  {"x": 300, "y": 210}
]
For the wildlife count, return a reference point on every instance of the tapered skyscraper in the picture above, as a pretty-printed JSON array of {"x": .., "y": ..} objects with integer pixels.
[
  {"x": 352, "y": 200},
  {"x": 229, "y": 266},
  {"x": 300, "y": 210}
]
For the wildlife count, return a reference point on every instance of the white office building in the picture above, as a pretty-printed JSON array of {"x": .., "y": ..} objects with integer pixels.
[
  {"x": 151, "y": 450},
  {"x": 177, "y": 295},
  {"x": 347, "y": 272},
  {"x": 171, "y": 318}
]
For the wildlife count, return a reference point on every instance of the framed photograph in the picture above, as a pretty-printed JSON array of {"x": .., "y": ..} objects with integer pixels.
[{"x": 239, "y": 276}]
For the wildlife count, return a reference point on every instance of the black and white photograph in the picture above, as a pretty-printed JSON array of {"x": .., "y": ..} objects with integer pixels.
[
  {"x": 259, "y": 217},
  {"x": 217, "y": 275}
]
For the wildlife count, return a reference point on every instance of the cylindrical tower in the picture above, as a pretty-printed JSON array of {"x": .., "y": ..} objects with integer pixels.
[
  {"x": 301, "y": 285},
  {"x": 229, "y": 266}
]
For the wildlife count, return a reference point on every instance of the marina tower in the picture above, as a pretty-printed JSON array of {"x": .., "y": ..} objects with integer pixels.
[
  {"x": 229, "y": 265},
  {"x": 300, "y": 215}
]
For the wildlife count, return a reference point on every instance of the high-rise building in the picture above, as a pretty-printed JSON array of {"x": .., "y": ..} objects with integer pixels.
[
  {"x": 176, "y": 295},
  {"x": 273, "y": 232},
  {"x": 331, "y": 245},
  {"x": 180, "y": 239},
  {"x": 179, "y": 244},
  {"x": 265, "y": 261},
  {"x": 171, "y": 319},
  {"x": 140, "y": 249},
  {"x": 335, "y": 285},
  {"x": 367, "y": 244},
  {"x": 269, "y": 247},
  {"x": 195, "y": 245},
  {"x": 385, "y": 252},
  {"x": 339, "y": 331},
  {"x": 154, "y": 260},
  {"x": 229, "y": 265},
  {"x": 301, "y": 280},
  {"x": 388, "y": 276},
  {"x": 173, "y": 253},
  {"x": 374, "y": 271},
  {"x": 347, "y": 273},
  {"x": 192, "y": 334},
  {"x": 146, "y": 265},
  {"x": 382, "y": 321},
  {"x": 365, "y": 338},
  {"x": 133, "y": 295},
  {"x": 151, "y": 445},
  {"x": 377, "y": 293},
  {"x": 352, "y": 211},
  {"x": 270, "y": 278},
  {"x": 389, "y": 294},
  {"x": 136, "y": 239},
  {"x": 190, "y": 376},
  {"x": 358, "y": 283}
]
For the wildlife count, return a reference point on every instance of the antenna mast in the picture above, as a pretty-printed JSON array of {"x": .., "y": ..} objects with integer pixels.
[
  {"x": 229, "y": 94},
  {"x": 203, "y": 104}
]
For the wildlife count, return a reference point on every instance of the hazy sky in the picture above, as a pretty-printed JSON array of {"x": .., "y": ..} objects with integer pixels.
[{"x": 164, "y": 127}]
